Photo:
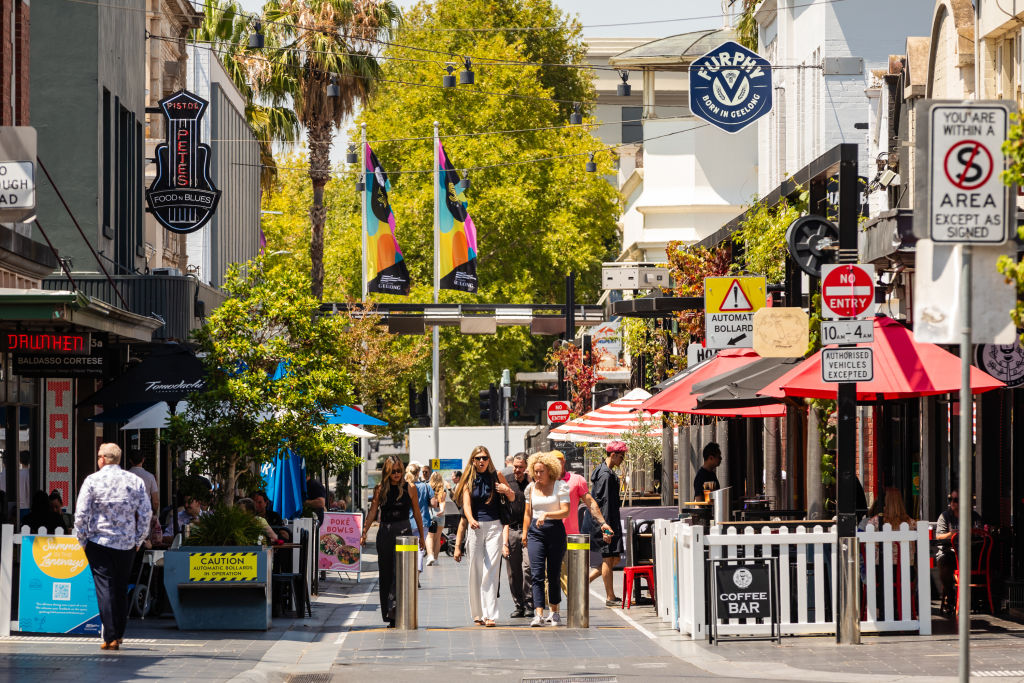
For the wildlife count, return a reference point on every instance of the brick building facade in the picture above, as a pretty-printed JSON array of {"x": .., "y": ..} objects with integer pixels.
[{"x": 14, "y": 62}]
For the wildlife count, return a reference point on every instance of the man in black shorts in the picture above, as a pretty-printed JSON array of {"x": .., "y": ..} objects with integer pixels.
[{"x": 605, "y": 489}]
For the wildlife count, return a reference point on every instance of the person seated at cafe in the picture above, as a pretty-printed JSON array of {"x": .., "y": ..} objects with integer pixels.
[
  {"x": 42, "y": 515},
  {"x": 875, "y": 509},
  {"x": 247, "y": 505},
  {"x": 57, "y": 505},
  {"x": 262, "y": 504},
  {"x": 189, "y": 513},
  {"x": 945, "y": 555},
  {"x": 706, "y": 473}
]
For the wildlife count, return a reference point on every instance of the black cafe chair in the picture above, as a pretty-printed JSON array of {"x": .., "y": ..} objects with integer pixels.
[{"x": 292, "y": 586}]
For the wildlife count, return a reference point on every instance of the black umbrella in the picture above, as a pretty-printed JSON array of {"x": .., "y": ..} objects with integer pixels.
[
  {"x": 738, "y": 388},
  {"x": 169, "y": 374}
]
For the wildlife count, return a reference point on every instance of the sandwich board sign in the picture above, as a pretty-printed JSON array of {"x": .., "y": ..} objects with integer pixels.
[{"x": 729, "y": 306}]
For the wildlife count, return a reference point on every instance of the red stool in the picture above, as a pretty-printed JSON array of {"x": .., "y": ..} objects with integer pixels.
[{"x": 628, "y": 574}]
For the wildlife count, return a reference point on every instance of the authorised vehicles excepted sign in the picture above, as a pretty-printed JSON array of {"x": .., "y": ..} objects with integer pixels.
[
  {"x": 729, "y": 306},
  {"x": 847, "y": 365},
  {"x": 968, "y": 201},
  {"x": 222, "y": 566}
]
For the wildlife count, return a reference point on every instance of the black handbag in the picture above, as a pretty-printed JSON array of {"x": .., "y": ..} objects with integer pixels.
[{"x": 504, "y": 504}]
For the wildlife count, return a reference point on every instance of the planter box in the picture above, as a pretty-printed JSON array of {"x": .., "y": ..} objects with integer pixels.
[{"x": 218, "y": 588}]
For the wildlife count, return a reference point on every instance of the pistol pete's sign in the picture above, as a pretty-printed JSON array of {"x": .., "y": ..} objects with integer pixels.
[{"x": 182, "y": 197}]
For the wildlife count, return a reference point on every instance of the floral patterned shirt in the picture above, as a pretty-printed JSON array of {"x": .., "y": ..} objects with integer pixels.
[{"x": 113, "y": 509}]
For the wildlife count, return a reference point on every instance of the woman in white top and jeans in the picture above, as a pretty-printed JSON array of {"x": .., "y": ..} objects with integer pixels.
[{"x": 547, "y": 504}]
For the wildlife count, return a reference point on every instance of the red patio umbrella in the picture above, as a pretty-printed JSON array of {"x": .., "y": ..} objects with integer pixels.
[
  {"x": 678, "y": 398},
  {"x": 904, "y": 368}
]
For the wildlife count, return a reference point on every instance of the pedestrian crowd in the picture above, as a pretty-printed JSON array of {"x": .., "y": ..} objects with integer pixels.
[{"x": 520, "y": 515}]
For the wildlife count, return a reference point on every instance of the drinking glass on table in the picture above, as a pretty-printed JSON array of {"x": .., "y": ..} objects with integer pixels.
[{"x": 708, "y": 487}]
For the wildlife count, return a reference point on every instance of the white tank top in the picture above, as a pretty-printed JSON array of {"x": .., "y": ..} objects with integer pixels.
[{"x": 541, "y": 503}]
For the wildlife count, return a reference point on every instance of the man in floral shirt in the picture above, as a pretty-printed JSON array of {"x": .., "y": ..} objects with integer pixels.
[{"x": 111, "y": 521}]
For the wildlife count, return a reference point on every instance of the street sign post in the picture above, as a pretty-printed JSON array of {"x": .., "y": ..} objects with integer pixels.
[
  {"x": 847, "y": 332},
  {"x": 729, "y": 306},
  {"x": 968, "y": 201},
  {"x": 730, "y": 87},
  {"x": 558, "y": 412},
  {"x": 847, "y": 365},
  {"x": 847, "y": 290}
]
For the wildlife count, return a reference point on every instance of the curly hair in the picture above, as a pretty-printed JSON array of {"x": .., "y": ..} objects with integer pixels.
[{"x": 550, "y": 461}]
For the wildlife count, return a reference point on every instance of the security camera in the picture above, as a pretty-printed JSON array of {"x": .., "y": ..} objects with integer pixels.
[{"x": 889, "y": 177}]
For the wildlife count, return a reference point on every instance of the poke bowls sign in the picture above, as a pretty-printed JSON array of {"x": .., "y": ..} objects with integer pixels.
[{"x": 339, "y": 542}]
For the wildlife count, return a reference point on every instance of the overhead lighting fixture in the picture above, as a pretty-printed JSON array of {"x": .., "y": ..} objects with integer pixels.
[
  {"x": 361, "y": 183},
  {"x": 591, "y": 164},
  {"x": 576, "y": 117},
  {"x": 351, "y": 157},
  {"x": 449, "y": 80},
  {"x": 464, "y": 183},
  {"x": 333, "y": 90},
  {"x": 256, "y": 38},
  {"x": 624, "y": 88},
  {"x": 466, "y": 75}
]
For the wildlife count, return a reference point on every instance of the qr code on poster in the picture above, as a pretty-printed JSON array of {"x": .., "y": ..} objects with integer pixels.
[{"x": 61, "y": 591}]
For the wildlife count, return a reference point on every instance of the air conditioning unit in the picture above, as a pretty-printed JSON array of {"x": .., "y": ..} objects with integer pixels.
[
  {"x": 166, "y": 271},
  {"x": 633, "y": 276}
]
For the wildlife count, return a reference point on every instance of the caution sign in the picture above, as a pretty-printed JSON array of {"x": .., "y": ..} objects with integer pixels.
[
  {"x": 729, "y": 307},
  {"x": 222, "y": 566},
  {"x": 969, "y": 204}
]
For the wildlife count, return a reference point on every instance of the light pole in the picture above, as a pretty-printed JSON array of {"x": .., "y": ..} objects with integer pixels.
[{"x": 506, "y": 396}]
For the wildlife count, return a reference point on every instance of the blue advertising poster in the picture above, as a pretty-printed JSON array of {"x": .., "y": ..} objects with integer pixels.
[
  {"x": 56, "y": 591},
  {"x": 731, "y": 87}
]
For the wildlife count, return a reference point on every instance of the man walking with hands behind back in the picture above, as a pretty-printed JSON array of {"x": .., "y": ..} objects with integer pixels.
[{"x": 111, "y": 521}]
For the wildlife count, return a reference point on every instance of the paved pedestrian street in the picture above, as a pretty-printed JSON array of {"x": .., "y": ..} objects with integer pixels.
[{"x": 346, "y": 641}]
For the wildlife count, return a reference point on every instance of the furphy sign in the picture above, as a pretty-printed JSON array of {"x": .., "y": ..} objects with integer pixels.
[
  {"x": 182, "y": 197},
  {"x": 730, "y": 87},
  {"x": 968, "y": 201}
]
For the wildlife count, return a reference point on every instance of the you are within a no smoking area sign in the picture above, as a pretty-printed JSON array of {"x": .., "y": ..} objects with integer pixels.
[{"x": 968, "y": 202}]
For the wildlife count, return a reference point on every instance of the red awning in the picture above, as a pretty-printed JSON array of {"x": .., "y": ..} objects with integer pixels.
[
  {"x": 904, "y": 368},
  {"x": 678, "y": 398}
]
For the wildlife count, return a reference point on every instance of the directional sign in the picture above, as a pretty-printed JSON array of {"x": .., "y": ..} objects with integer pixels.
[
  {"x": 969, "y": 204},
  {"x": 729, "y": 306},
  {"x": 558, "y": 412},
  {"x": 847, "y": 291},
  {"x": 730, "y": 87},
  {"x": 445, "y": 464},
  {"x": 847, "y": 332},
  {"x": 847, "y": 365}
]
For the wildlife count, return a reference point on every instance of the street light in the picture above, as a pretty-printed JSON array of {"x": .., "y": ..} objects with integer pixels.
[
  {"x": 624, "y": 88},
  {"x": 576, "y": 117},
  {"x": 449, "y": 80},
  {"x": 466, "y": 75},
  {"x": 591, "y": 164},
  {"x": 256, "y": 38}
]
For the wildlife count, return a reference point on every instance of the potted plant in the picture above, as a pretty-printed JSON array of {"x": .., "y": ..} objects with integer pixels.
[{"x": 221, "y": 575}]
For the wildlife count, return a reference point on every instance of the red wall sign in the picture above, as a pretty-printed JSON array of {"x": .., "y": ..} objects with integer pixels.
[
  {"x": 60, "y": 402},
  {"x": 847, "y": 290},
  {"x": 29, "y": 342}
]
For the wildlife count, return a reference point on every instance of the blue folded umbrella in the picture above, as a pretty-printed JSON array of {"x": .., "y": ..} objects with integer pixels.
[
  {"x": 346, "y": 415},
  {"x": 285, "y": 481}
]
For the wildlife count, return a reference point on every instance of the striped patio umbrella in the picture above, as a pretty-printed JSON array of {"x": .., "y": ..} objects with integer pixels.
[{"x": 610, "y": 422}]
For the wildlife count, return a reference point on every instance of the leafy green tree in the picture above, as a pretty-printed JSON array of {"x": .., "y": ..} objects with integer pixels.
[{"x": 536, "y": 222}]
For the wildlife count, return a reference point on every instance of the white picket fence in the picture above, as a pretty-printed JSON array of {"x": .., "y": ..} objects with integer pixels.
[{"x": 807, "y": 577}]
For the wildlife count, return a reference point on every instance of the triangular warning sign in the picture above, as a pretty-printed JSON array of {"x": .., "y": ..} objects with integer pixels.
[{"x": 736, "y": 299}]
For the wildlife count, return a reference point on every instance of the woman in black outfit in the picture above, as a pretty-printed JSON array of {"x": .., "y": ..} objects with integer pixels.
[{"x": 396, "y": 499}]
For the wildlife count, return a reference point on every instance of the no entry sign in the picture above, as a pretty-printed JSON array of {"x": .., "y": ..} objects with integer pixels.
[
  {"x": 558, "y": 412},
  {"x": 968, "y": 203},
  {"x": 847, "y": 291}
]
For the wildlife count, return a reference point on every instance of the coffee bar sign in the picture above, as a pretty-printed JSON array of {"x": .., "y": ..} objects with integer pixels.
[{"x": 183, "y": 197}]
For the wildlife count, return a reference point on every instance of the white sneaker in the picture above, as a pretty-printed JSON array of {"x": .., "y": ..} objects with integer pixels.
[
  {"x": 538, "y": 620},
  {"x": 431, "y": 560},
  {"x": 554, "y": 619}
]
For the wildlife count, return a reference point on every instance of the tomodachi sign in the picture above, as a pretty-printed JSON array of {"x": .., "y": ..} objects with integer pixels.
[{"x": 730, "y": 87}]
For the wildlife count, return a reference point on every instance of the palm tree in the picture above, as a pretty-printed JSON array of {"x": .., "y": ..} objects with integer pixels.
[
  {"x": 313, "y": 44},
  {"x": 227, "y": 29}
]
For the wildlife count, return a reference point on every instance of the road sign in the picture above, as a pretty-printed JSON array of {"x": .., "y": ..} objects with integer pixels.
[
  {"x": 558, "y": 412},
  {"x": 697, "y": 354},
  {"x": 968, "y": 202},
  {"x": 847, "y": 291},
  {"x": 781, "y": 332},
  {"x": 730, "y": 87},
  {"x": 729, "y": 306},
  {"x": 847, "y": 365},
  {"x": 17, "y": 173},
  {"x": 847, "y": 332}
]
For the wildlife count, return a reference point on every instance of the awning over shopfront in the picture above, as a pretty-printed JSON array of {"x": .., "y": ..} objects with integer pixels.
[
  {"x": 45, "y": 310},
  {"x": 738, "y": 388},
  {"x": 610, "y": 422},
  {"x": 170, "y": 373},
  {"x": 903, "y": 368}
]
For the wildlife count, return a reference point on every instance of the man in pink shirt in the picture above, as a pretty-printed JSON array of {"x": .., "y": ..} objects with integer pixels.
[{"x": 578, "y": 490}]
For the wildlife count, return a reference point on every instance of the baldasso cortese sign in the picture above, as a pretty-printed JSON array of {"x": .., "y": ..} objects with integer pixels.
[{"x": 183, "y": 197}]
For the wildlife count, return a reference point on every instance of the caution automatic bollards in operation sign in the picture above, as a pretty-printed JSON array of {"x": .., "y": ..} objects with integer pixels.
[
  {"x": 222, "y": 566},
  {"x": 729, "y": 306}
]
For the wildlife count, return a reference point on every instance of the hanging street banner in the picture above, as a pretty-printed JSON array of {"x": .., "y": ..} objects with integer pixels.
[
  {"x": 458, "y": 233},
  {"x": 968, "y": 203},
  {"x": 182, "y": 197},
  {"x": 339, "y": 542},
  {"x": 729, "y": 306},
  {"x": 730, "y": 87},
  {"x": 385, "y": 264},
  {"x": 56, "y": 593}
]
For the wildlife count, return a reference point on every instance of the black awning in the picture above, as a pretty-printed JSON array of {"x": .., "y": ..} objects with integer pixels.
[
  {"x": 738, "y": 388},
  {"x": 170, "y": 373},
  {"x": 120, "y": 413}
]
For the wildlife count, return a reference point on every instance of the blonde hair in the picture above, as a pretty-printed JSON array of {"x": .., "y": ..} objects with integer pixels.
[
  {"x": 550, "y": 461},
  {"x": 384, "y": 487},
  {"x": 468, "y": 477},
  {"x": 560, "y": 456},
  {"x": 412, "y": 470},
  {"x": 436, "y": 482},
  {"x": 110, "y": 452}
]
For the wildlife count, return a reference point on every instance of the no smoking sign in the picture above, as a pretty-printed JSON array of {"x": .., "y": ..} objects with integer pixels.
[{"x": 969, "y": 203}]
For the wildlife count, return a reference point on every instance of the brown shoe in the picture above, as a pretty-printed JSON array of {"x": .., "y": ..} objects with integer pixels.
[{"x": 112, "y": 645}]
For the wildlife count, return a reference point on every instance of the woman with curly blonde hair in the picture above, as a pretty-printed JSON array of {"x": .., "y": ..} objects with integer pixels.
[{"x": 547, "y": 504}]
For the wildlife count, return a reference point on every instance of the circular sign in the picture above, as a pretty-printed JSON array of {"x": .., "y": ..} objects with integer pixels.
[
  {"x": 558, "y": 412},
  {"x": 742, "y": 578},
  {"x": 730, "y": 87},
  {"x": 968, "y": 164},
  {"x": 58, "y": 556},
  {"x": 847, "y": 291},
  {"x": 1003, "y": 361}
]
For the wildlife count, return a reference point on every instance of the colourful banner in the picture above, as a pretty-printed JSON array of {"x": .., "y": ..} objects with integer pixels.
[
  {"x": 56, "y": 593},
  {"x": 385, "y": 265},
  {"x": 458, "y": 233},
  {"x": 339, "y": 541}
]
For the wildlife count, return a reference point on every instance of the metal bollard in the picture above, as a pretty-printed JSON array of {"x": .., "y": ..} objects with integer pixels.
[
  {"x": 406, "y": 555},
  {"x": 578, "y": 551},
  {"x": 848, "y": 603}
]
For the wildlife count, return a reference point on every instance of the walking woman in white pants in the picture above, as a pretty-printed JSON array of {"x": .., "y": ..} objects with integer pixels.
[{"x": 478, "y": 490}]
